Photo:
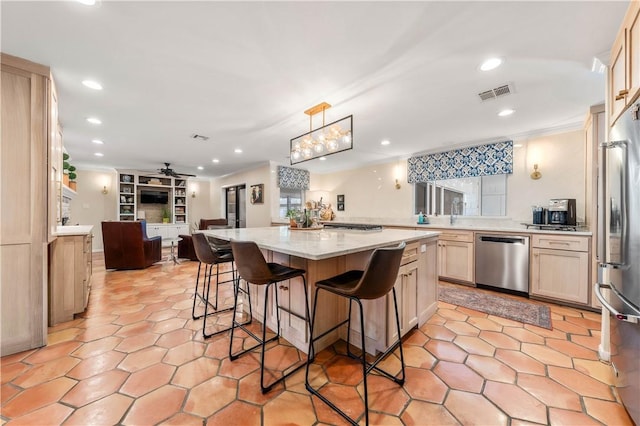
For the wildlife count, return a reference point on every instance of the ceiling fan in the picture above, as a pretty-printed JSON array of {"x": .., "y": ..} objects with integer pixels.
[{"x": 167, "y": 171}]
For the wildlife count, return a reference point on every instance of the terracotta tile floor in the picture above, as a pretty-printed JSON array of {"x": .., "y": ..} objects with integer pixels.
[{"x": 136, "y": 357}]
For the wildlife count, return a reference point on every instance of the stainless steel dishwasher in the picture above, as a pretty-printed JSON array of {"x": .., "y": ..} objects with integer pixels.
[{"x": 502, "y": 262}]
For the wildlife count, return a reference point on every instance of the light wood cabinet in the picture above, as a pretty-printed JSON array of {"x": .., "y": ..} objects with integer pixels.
[
  {"x": 560, "y": 268},
  {"x": 406, "y": 287},
  {"x": 456, "y": 256},
  {"x": 624, "y": 64},
  {"x": 70, "y": 270},
  {"x": 54, "y": 162},
  {"x": 416, "y": 288},
  {"x": 595, "y": 131},
  {"x": 25, "y": 219}
]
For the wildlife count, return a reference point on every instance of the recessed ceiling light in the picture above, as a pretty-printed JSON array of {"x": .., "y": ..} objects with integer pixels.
[
  {"x": 237, "y": 151},
  {"x": 385, "y": 142},
  {"x": 215, "y": 160},
  {"x": 87, "y": 2},
  {"x": 200, "y": 168},
  {"x": 97, "y": 141},
  {"x": 323, "y": 158},
  {"x": 517, "y": 145},
  {"x": 506, "y": 112},
  {"x": 99, "y": 154},
  {"x": 490, "y": 64},
  {"x": 92, "y": 84},
  {"x": 94, "y": 120}
]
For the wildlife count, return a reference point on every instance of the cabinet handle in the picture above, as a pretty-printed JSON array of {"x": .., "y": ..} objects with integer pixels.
[
  {"x": 283, "y": 288},
  {"x": 563, "y": 243},
  {"x": 622, "y": 94}
]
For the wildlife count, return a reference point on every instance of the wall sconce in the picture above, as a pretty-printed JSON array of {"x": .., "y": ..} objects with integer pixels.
[
  {"x": 106, "y": 184},
  {"x": 193, "y": 194},
  {"x": 535, "y": 175},
  {"x": 397, "y": 184}
]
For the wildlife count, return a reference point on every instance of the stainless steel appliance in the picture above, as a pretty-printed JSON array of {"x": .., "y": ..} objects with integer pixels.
[
  {"x": 620, "y": 271},
  {"x": 502, "y": 262},
  {"x": 562, "y": 211}
]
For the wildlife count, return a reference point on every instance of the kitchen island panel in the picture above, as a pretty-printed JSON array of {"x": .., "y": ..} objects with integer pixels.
[{"x": 312, "y": 251}]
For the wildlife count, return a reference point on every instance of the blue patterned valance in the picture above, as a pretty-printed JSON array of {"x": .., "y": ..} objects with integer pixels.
[
  {"x": 291, "y": 178},
  {"x": 482, "y": 160}
]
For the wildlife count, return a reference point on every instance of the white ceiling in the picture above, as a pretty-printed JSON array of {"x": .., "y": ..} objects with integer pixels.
[{"x": 242, "y": 73}]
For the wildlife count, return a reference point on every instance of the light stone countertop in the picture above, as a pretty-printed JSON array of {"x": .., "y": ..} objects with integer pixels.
[
  {"x": 462, "y": 224},
  {"x": 319, "y": 244},
  {"x": 63, "y": 231}
]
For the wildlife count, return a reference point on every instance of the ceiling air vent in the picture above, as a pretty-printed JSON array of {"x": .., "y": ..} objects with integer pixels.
[
  {"x": 199, "y": 137},
  {"x": 495, "y": 93}
]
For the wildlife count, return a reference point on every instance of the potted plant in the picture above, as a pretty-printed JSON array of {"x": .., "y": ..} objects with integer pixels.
[
  {"x": 166, "y": 215},
  {"x": 65, "y": 169},
  {"x": 292, "y": 214},
  {"x": 72, "y": 177}
]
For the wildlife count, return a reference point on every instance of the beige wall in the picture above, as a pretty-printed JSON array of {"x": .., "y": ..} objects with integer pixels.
[
  {"x": 370, "y": 191},
  {"x": 561, "y": 160},
  {"x": 90, "y": 206},
  {"x": 257, "y": 214}
]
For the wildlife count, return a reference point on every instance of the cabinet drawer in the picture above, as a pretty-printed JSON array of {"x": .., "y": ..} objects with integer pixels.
[
  {"x": 449, "y": 235},
  {"x": 561, "y": 242},
  {"x": 410, "y": 253}
]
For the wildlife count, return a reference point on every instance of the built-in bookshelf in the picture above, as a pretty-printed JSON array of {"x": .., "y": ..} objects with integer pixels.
[
  {"x": 130, "y": 186},
  {"x": 180, "y": 200},
  {"x": 126, "y": 197}
]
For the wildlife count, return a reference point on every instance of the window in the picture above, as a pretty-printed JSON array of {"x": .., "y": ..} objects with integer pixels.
[
  {"x": 290, "y": 199},
  {"x": 478, "y": 196}
]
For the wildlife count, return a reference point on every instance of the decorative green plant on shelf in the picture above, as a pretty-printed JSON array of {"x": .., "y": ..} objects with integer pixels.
[
  {"x": 65, "y": 163},
  {"x": 72, "y": 173},
  {"x": 166, "y": 215}
]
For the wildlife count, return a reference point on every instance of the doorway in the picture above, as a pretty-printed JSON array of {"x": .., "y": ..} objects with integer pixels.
[{"x": 236, "y": 213}]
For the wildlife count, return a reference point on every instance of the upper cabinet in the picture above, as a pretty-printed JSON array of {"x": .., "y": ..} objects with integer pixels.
[{"x": 624, "y": 72}]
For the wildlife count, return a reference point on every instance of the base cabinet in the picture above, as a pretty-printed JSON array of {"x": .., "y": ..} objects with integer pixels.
[
  {"x": 406, "y": 290},
  {"x": 416, "y": 288},
  {"x": 455, "y": 256},
  {"x": 560, "y": 268},
  {"x": 166, "y": 231},
  {"x": 70, "y": 269}
]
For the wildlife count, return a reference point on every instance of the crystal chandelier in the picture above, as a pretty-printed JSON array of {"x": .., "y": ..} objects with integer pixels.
[{"x": 328, "y": 139}]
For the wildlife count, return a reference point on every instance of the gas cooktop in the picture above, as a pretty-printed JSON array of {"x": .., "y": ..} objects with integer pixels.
[
  {"x": 551, "y": 226},
  {"x": 352, "y": 226}
]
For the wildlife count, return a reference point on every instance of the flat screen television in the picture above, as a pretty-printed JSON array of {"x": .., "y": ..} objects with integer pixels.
[{"x": 153, "y": 197}]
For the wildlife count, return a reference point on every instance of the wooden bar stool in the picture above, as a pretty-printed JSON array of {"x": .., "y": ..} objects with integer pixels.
[
  {"x": 254, "y": 269},
  {"x": 209, "y": 257},
  {"x": 377, "y": 280}
]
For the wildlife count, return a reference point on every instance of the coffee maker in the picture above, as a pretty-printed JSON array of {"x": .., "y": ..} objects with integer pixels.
[{"x": 562, "y": 211}]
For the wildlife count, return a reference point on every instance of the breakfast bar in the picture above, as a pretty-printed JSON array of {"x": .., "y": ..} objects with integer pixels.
[{"x": 324, "y": 253}]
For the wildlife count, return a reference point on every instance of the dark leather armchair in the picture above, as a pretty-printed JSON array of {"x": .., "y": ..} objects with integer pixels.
[
  {"x": 126, "y": 245},
  {"x": 185, "y": 246}
]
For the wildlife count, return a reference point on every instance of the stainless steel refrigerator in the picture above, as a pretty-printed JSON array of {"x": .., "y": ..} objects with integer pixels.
[{"x": 619, "y": 284}]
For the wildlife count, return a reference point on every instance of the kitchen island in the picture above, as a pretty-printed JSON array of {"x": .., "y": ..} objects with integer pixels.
[{"x": 324, "y": 253}]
